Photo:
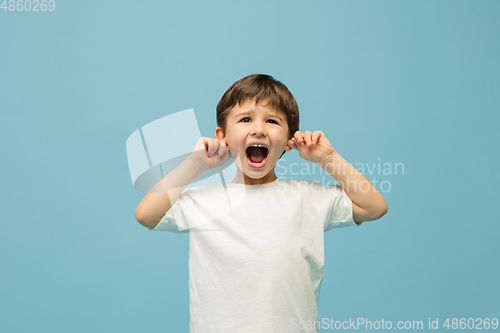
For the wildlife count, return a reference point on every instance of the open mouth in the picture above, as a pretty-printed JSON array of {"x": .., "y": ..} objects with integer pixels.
[{"x": 257, "y": 154}]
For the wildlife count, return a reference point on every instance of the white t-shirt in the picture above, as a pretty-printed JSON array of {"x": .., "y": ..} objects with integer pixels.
[{"x": 256, "y": 252}]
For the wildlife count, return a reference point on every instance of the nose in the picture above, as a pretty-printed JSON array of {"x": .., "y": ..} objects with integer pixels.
[{"x": 258, "y": 129}]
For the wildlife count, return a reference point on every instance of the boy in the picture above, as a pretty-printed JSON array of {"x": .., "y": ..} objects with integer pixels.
[{"x": 259, "y": 267}]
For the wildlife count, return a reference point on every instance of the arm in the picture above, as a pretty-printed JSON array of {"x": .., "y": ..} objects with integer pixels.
[
  {"x": 208, "y": 154},
  {"x": 165, "y": 193},
  {"x": 367, "y": 203}
]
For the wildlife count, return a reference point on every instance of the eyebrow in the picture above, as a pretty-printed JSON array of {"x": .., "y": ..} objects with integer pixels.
[{"x": 248, "y": 112}]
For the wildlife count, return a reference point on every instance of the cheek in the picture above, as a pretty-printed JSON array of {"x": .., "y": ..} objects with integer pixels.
[
  {"x": 234, "y": 151},
  {"x": 279, "y": 147}
]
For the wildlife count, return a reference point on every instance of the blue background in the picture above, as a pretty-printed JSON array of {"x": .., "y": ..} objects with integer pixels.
[{"x": 412, "y": 82}]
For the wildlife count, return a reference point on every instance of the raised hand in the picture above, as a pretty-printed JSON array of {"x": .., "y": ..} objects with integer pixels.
[
  {"x": 210, "y": 153},
  {"x": 312, "y": 146}
]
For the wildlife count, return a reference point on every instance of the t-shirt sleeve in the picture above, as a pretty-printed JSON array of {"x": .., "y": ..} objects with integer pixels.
[
  {"x": 340, "y": 208},
  {"x": 175, "y": 219}
]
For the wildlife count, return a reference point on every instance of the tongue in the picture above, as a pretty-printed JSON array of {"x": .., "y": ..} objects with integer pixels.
[{"x": 256, "y": 155}]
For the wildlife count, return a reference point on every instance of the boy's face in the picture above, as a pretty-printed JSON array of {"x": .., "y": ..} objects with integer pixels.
[{"x": 248, "y": 124}]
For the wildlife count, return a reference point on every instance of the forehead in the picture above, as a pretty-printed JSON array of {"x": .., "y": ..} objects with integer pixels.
[{"x": 250, "y": 106}]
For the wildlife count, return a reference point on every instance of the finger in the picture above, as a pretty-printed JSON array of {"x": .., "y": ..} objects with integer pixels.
[
  {"x": 308, "y": 137},
  {"x": 291, "y": 144},
  {"x": 207, "y": 146},
  {"x": 298, "y": 144},
  {"x": 222, "y": 147},
  {"x": 217, "y": 145},
  {"x": 212, "y": 147},
  {"x": 315, "y": 137},
  {"x": 298, "y": 136},
  {"x": 294, "y": 134}
]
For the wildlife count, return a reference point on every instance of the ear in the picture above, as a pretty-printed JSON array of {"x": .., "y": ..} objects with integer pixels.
[{"x": 219, "y": 135}]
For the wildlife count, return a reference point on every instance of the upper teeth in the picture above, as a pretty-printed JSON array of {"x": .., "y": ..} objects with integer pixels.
[{"x": 258, "y": 146}]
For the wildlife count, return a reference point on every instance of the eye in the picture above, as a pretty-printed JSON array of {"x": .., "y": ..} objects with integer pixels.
[{"x": 247, "y": 118}]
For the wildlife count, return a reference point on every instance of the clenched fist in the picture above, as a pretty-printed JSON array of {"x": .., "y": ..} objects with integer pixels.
[{"x": 210, "y": 153}]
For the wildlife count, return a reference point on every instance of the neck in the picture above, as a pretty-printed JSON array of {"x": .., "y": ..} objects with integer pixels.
[{"x": 242, "y": 178}]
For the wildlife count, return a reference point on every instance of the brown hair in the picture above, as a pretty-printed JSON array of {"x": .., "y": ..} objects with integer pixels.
[{"x": 259, "y": 86}]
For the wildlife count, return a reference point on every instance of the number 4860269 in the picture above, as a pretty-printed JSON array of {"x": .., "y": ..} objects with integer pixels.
[{"x": 28, "y": 5}]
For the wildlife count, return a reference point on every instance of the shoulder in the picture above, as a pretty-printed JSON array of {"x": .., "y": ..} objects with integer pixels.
[{"x": 203, "y": 191}]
